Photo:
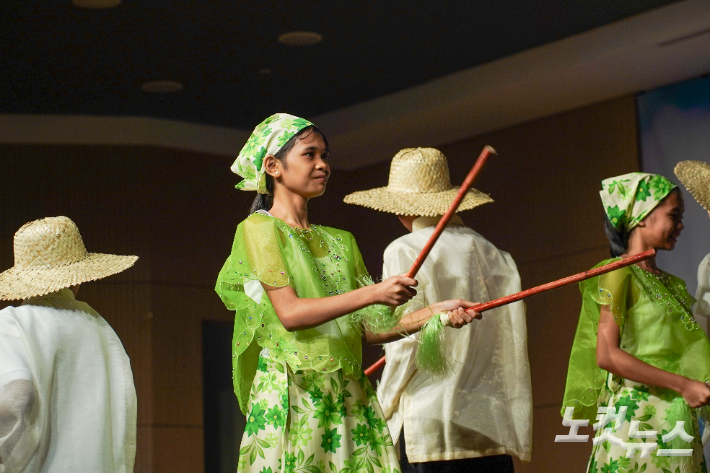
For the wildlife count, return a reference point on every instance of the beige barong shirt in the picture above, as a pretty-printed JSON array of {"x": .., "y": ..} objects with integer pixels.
[
  {"x": 485, "y": 406},
  {"x": 67, "y": 398},
  {"x": 701, "y": 312}
]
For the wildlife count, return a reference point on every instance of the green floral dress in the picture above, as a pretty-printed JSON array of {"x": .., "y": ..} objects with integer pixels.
[
  {"x": 308, "y": 405},
  {"x": 646, "y": 405},
  {"x": 657, "y": 327}
]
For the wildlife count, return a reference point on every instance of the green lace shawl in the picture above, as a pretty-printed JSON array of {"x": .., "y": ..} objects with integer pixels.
[
  {"x": 657, "y": 327},
  {"x": 316, "y": 262}
]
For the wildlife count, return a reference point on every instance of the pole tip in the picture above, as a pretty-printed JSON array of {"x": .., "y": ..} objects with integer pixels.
[{"x": 491, "y": 150}]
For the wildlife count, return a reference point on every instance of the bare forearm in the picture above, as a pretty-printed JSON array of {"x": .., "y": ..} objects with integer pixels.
[
  {"x": 299, "y": 314},
  {"x": 615, "y": 360},
  {"x": 627, "y": 366}
]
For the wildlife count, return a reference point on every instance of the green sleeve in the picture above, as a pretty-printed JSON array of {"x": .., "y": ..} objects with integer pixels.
[
  {"x": 256, "y": 257},
  {"x": 585, "y": 379},
  {"x": 362, "y": 276}
]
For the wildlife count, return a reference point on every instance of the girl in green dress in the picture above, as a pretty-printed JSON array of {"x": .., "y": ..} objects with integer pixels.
[
  {"x": 637, "y": 344},
  {"x": 301, "y": 294}
]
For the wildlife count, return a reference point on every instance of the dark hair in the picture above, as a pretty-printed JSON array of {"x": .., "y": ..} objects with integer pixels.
[
  {"x": 265, "y": 201},
  {"x": 618, "y": 241}
]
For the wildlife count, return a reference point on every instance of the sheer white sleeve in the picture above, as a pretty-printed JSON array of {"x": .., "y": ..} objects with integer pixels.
[
  {"x": 18, "y": 403},
  {"x": 701, "y": 311}
]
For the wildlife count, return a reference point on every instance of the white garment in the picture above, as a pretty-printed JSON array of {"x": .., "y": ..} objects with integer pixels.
[
  {"x": 485, "y": 406},
  {"x": 67, "y": 399},
  {"x": 701, "y": 311}
]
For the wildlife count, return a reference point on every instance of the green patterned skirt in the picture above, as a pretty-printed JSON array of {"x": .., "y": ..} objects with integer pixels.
[
  {"x": 647, "y": 405},
  {"x": 313, "y": 422}
]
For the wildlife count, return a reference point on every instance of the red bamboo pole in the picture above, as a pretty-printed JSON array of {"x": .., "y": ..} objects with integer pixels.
[
  {"x": 563, "y": 282},
  {"x": 544, "y": 288},
  {"x": 487, "y": 151},
  {"x": 375, "y": 366}
]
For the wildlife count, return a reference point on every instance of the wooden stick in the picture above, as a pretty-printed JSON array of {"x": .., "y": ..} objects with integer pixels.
[
  {"x": 562, "y": 282},
  {"x": 487, "y": 151},
  {"x": 544, "y": 288},
  {"x": 375, "y": 366}
]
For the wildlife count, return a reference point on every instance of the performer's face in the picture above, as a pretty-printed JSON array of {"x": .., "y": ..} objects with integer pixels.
[
  {"x": 664, "y": 224},
  {"x": 305, "y": 169}
]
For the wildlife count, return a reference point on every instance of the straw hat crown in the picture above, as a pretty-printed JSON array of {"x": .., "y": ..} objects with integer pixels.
[
  {"x": 419, "y": 170},
  {"x": 695, "y": 176},
  {"x": 50, "y": 255},
  {"x": 419, "y": 184},
  {"x": 48, "y": 243}
]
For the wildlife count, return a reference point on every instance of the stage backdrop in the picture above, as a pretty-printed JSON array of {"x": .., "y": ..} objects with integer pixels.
[{"x": 674, "y": 126}]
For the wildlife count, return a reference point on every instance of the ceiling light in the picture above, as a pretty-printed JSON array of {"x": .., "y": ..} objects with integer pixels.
[
  {"x": 96, "y": 4},
  {"x": 300, "y": 38},
  {"x": 161, "y": 86}
]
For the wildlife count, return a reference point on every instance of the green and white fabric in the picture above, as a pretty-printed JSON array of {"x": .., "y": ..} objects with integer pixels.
[
  {"x": 309, "y": 407},
  {"x": 267, "y": 138},
  {"x": 629, "y": 198},
  {"x": 656, "y": 324},
  {"x": 316, "y": 262},
  {"x": 647, "y": 405},
  {"x": 313, "y": 422},
  {"x": 656, "y": 327}
]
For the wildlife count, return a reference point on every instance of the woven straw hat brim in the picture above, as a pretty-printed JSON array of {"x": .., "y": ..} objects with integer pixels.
[
  {"x": 420, "y": 204},
  {"x": 18, "y": 284},
  {"x": 695, "y": 176}
]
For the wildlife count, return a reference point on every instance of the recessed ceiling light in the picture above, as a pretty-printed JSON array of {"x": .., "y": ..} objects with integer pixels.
[
  {"x": 96, "y": 4},
  {"x": 161, "y": 86},
  {"x": 300, "y": 38}
]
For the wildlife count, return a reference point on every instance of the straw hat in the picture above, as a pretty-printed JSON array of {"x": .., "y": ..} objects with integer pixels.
[
  {"x": 695, "y": 176},
  {"x": 49, "y": 256},
  {"x": 419, "y": 184}
]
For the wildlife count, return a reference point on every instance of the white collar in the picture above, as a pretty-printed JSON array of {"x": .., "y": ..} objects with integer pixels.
[{"x": 421, "y": 223}]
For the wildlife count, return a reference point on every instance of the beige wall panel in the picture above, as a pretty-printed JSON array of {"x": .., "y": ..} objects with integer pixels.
[
  {"x": 144, "y": 449},
  {"x": 550, "y": 456},
  {"x": 177, "y": 355},
  {"x": 552, "y": 321},
  {"x": 177, "y": 450},
  {"x": 547, "y": 177}
]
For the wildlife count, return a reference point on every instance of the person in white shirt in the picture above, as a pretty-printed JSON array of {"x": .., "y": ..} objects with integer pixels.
[
  {"x": 695, "y": 176},
  {"x": 480, "y": 414},
  {"x": 67, "y": 398}
]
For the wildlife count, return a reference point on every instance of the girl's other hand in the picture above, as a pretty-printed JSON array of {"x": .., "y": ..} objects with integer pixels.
[
  {"x": 696, "y": 393},
  {"x": 395, "y": 290}
]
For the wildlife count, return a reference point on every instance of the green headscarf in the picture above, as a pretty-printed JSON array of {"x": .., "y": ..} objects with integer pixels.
[
  {"x": 267, "y": 138},
  {"x": 629, "y": 198}
]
